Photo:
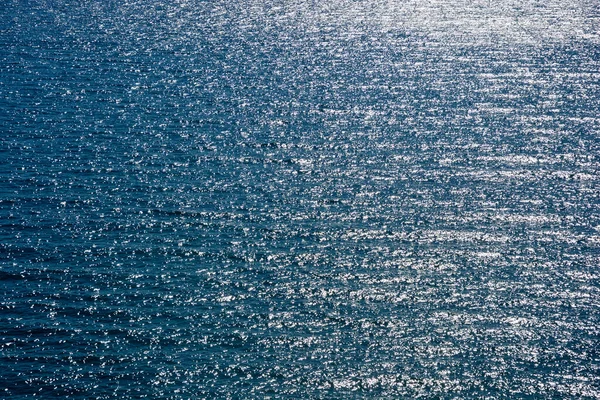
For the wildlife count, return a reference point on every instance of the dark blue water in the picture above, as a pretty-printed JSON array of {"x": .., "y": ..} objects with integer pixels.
[{"x": 299, "y": 199}]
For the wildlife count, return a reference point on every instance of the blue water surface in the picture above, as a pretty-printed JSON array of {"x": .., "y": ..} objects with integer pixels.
[{"x": 299, "y": 199}]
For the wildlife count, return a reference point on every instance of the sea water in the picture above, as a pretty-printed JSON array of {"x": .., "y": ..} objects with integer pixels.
[{"x": 299, "y": 199}]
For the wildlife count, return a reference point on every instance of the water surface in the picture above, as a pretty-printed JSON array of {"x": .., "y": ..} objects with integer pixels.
[{"x": 299, "y": 199}]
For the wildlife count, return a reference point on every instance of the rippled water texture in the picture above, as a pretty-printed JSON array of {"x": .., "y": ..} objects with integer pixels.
[{"x": 299, "y": 199}]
